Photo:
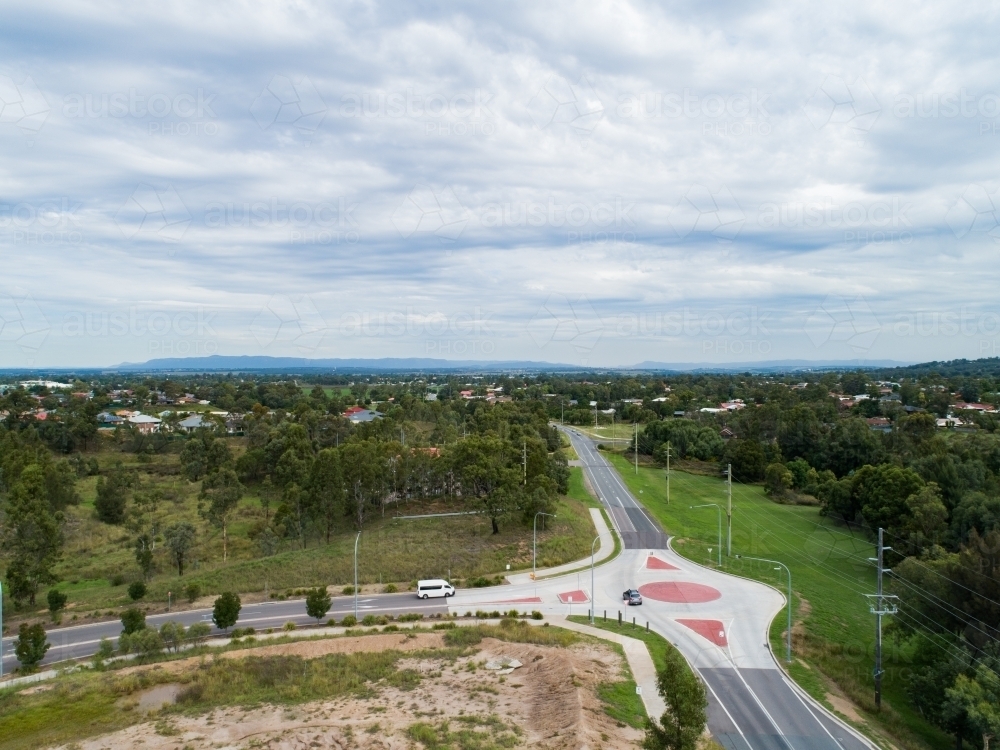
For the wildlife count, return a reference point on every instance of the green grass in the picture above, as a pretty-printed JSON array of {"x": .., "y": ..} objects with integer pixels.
[
  {"x": 830, "y": 575},
  {"x": 466, "y": 733}
]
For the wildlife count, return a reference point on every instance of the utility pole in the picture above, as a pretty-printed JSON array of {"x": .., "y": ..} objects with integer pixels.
[
  {"x": 729, "y": 511},
  {"x": 524, "y": 461},
  {"x": 668, "y": 473},
  {"x": 882, "y": 605},
  {"x": 1, "y": 629},
  {"x": 637, "y": 448}
]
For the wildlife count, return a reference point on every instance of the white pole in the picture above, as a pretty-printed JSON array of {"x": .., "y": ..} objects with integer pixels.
[
  {"x": 358, "y": 539},
  {"x": 593, "y": 596},
  {"x": 729, "y": 511}
]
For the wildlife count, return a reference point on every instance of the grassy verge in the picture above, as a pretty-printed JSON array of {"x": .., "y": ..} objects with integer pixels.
[{"x": 833, "y": 636}]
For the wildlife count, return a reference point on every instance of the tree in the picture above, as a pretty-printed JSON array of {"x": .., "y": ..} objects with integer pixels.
[
  {"x": 179, "y": 539},
  {"x": 777, "y": 480},
  {"x": 926, "y": 518},
  {"x": 326, "y": 489},
  {"x": 133, "y": 620},
  {"x": 145, "y": 642},
  {"x": 57, "y": 602},
  {"x": 747, "y": 458},
  {"x": 172, "y": 634},
  {"x": 136, "y": 590},
  {"x": 851, "y": 445},
  {"x": 144, "y": 555},
  {"x": 226, "y": 611},
  {"x": 223, "y": 492},
  {"x": 880, "y": 492},
  {"x": 30, "y": 646},
  {"x": 684, "y": 719},
  {"x": 112, "y": 495},
  {"x": 978, "y": 698},
  {"x": 318, "y": 603},
  {"x": 31, "y": 535}
]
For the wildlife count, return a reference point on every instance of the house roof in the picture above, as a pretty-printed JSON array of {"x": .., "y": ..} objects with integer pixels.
[{"x": 144, "y": 419}]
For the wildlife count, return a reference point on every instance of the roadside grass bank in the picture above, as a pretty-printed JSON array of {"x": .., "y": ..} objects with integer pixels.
[{"x": 833, "y": 634}]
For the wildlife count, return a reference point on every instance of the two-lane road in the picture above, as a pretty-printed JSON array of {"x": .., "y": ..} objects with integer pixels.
[{"x": 80, "y": 641}]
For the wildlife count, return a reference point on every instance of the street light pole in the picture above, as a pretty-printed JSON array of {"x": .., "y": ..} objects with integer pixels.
[
  {"x": 788, "y": 647},
  {"x": 593, "y": 600},
  {"x": 534, "y": 539},
  {"x": 1, "y": 629},
  {"x": 357, "y": 539},
  {"x": 718, "y": 508}
]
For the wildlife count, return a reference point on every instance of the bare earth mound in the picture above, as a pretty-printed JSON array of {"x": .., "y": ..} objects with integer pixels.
[{"x": 550, "y": 702}]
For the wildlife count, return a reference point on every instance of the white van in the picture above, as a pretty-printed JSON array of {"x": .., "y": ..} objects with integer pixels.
[{"x": 434, "y": 587}]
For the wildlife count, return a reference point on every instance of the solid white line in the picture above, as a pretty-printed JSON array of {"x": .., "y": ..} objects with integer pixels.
[
  {"x": 785, "y": 680},
  {"x": 723, "y": 705}
]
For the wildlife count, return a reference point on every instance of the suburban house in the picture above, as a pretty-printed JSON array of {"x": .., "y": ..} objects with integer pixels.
[
  {"x": 879, "y": 424},
  {"x": 144, "y": 423},
  {"x": 360, "y": 414},
  {"x": 192, "y": 423}
]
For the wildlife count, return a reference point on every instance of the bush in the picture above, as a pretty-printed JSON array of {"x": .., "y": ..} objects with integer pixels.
[
  {"x": 192, "y": 591},
  {"x": 226, "y": 611},
  {"x": 136, "y": 590},
  {"x": 199, "y": 632},
  {"x": 442, "y": 626},
  {"x": 350, "y": 621},
  {"x": 347, "y": 590},
  {"x": 30, "y": 646},
  {"x": 390, "y": 629},
  {"x": 390, "y": 589},
  {"x": 331, "y": 623},
  {"x": 288, "y": 626},
  {"x": 57, "y": 601},
  {"x": 368, "y": 620},
  {"x": 145, "y": 642},
  {"x": 172, "y": 634},
  {"x": 317, "y": 602},
  {"x": 480, "y": 582},
  {"x": 536, "y": 615},
  {"x": 242, "y": 632},
  {"x": 118, "y": 579},
  {"x": 410, "y": 617},
  {"x": 513, "y": 613},
  {"x": 133, "y": 620}
]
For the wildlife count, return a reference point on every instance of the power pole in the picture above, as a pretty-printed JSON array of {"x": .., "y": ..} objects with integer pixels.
[
  {"x": 637, "y": 448},
  {"x": 729, "y": 511},
  {"x": 668, "y": 472},
  {"x": 882, "y": 605},
  {"x": 524, "y": 460}
]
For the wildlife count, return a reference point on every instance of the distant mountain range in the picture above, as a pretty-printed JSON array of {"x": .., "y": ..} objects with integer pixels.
[{"x": 223, "y": 363}]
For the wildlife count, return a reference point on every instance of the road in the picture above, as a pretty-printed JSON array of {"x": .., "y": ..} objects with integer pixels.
[
  {"x": 719, "y": 622},
  {"x": 637, "y": 529},
  {"x": 81, "y": 641}
]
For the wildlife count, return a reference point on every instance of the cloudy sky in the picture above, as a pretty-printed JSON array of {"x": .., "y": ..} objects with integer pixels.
[{"x": 589, "y": 183}]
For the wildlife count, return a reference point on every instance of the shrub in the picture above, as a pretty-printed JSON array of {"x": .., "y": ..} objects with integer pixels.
[
  {"x": 331, "y": 623},
  {"x": 317, "y": 602},
  {"x": 390, "y": 589},
  {"x": 536, "y": 615},
  {"x": 30, "y": 646},
  {"x": 368, "y": 620},
  {"x": 57, "y": 601},
  {"x": 381, "y": 620},
  {"x": 136, "y": 590},
  {"x": 347, "y": 590},
  {"x": 118, "y": 579},
  {"x": 495, "y": 613},
  {"x": 133, "y": 620},
  {"x": 350, "y": 621},
  {"x": 288, "y": 626},
  {"x": 192, "y": 591},
  {"x": 199, "y": 631},
  {"x": 145, "y": 642},
  {"x": 226, "y": 611},
  {"x": 513, "y": 613},
  {"x": 172, "y": 634},
  {"x": 390, "y": 629},
  {"x": 410, "y": 617},
  {"x": 241, "y": 632},
  {"x": 104, "y": 651},
  {"x": 480, "y": 582},
  {"x": 442, "y": 626}
]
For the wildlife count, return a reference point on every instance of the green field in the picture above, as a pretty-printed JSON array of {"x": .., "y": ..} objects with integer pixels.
[{"x": 833, "y": 639}]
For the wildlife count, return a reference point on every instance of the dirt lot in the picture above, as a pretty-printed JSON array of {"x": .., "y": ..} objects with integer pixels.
[{"x": 550, "y": 702}]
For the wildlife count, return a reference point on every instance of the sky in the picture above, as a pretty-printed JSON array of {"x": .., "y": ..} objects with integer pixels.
[{"x": 597, "y": 184}]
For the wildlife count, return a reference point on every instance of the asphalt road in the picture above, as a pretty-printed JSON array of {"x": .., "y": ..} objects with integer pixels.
[
  {"x": 752, "y": 705},
  {"x": 81, "y": 641},
  {"x": 637, "y": 529}
]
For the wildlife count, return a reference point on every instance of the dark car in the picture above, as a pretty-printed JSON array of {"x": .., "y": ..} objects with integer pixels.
[{"x": 632, "y": 596}]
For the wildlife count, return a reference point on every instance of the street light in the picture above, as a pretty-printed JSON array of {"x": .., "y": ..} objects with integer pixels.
[
  {"x": 534, "y": 539},
  {"x": 593, "y": 598},
  {"x": 358, "y": 539},
  {"x": 1, "y": 629},
  {"x": 719, "y": 509},
  {"x": 788, "y": 647}
]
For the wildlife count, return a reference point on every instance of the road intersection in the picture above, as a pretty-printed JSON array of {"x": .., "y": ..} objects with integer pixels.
[{"x": 718, "y": 622}]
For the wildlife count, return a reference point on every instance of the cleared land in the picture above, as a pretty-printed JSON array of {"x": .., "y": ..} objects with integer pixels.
[{"x": 391, "y": 690}]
